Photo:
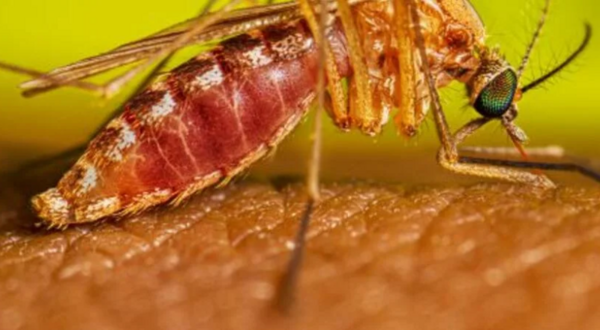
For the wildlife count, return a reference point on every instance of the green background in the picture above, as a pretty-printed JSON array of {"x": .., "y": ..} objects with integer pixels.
[{"x": 43, "y": 34}]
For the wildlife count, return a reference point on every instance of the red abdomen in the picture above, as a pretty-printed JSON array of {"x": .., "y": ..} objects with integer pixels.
[{"x": 204, "y": 122}]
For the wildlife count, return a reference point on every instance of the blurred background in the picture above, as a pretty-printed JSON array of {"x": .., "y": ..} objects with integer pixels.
[{"x": 43, "y": 34}]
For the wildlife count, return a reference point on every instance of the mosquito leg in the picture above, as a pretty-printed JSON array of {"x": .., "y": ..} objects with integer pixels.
[
  {"x": 484, "y": 170},
  {"x": 363, "y": 113},
  {"x": 339, "y": 103},
  {"x": 203, "y": 21},
  {"x": 407, "y": 12},
  {"x": 289, "y": 282},
  {"x": 406, "y": 83},
  {"x": 565, "y": 167},
  {"x": 76, "y": 151},
  {"x": 117, "y": 84},
  {"x": 567, "y": 163},
  {"x": 287, "y": 289},
  {"x": 37, "y": 74}
]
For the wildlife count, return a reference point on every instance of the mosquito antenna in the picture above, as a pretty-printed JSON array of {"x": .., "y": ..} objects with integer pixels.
[
  {"x": 536, "y": 38},
  {"x": 566, "y": 167},
  {"x": 564, "y": 64}
]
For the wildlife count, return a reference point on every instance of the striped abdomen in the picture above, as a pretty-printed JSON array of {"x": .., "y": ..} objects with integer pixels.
[{"x": 202, "y": 123}]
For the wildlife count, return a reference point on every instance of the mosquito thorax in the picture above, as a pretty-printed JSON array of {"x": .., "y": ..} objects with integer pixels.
[{"x": 494, "y": 86}]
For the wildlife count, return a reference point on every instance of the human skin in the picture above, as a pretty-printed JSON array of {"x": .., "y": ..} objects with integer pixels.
[{"x": 379, "y": 256}]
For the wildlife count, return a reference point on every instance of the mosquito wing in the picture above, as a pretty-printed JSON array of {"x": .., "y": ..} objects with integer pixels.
[{"x": 236, "y": 22}]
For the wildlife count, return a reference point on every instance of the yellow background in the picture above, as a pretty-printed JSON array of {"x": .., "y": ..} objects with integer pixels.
[{"x": 43, "y": 34}]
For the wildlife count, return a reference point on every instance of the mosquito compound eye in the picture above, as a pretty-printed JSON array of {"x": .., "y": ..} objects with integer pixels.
[{"x": 496, "y": 98}]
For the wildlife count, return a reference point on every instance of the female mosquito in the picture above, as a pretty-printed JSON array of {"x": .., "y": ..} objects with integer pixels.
[{"x": 215, "y": 115}]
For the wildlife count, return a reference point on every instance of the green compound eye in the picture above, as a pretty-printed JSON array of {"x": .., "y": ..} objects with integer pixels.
[{"x": 495, "y": 99}]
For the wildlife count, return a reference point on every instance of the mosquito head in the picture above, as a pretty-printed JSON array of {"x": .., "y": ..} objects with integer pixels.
[{"x": 494, "y": 87}]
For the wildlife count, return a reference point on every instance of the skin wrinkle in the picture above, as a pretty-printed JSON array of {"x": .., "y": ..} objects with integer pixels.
[
  {"x": 403, "y": 243},
  {"x": 188, "y": 227},
  {"x": 68, "y": 248},
  {"x": 378, "y": 255},
  {"x": 23, "y": 249},
  {"x": 507, "y": 282},
  {"x": 345, "y": 265},
  {"x": 118, "y": 225},
  {"x": 324, "y": 202},
  {"x": 343, "y": 222},
  {"x": 430, "y": 226},
  {"x": 254, "y": 230},
  {"x": 393, "y": 248}
]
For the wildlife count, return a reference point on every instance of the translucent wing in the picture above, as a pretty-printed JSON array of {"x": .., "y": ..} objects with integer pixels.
[{"x": 238, "y": 21}]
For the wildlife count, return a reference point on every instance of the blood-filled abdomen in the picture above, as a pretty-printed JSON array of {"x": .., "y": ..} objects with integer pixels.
[{"x": 202, "y": 123}]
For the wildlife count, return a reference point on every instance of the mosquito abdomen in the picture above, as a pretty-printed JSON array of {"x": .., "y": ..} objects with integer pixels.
[{"x": 202, "y": 123}]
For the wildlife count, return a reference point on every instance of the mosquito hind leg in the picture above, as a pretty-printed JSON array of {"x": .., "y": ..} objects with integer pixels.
[
  {"x": 83, "y": 85},
  {"x": 203, "y": 21},
  {"x": 287, "y": 288},
  {"x": 74, "y": 152}
]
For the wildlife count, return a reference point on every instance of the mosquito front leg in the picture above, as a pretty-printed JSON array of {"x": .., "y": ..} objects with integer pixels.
[{"x": 483, "y": 170}]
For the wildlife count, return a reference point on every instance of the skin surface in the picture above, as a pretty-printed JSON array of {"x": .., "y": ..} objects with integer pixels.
[{"x": 379, "y": 256}]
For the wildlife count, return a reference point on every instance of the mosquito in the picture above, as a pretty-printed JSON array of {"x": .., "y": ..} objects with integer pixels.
[{"x": 212, "y": 117}]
